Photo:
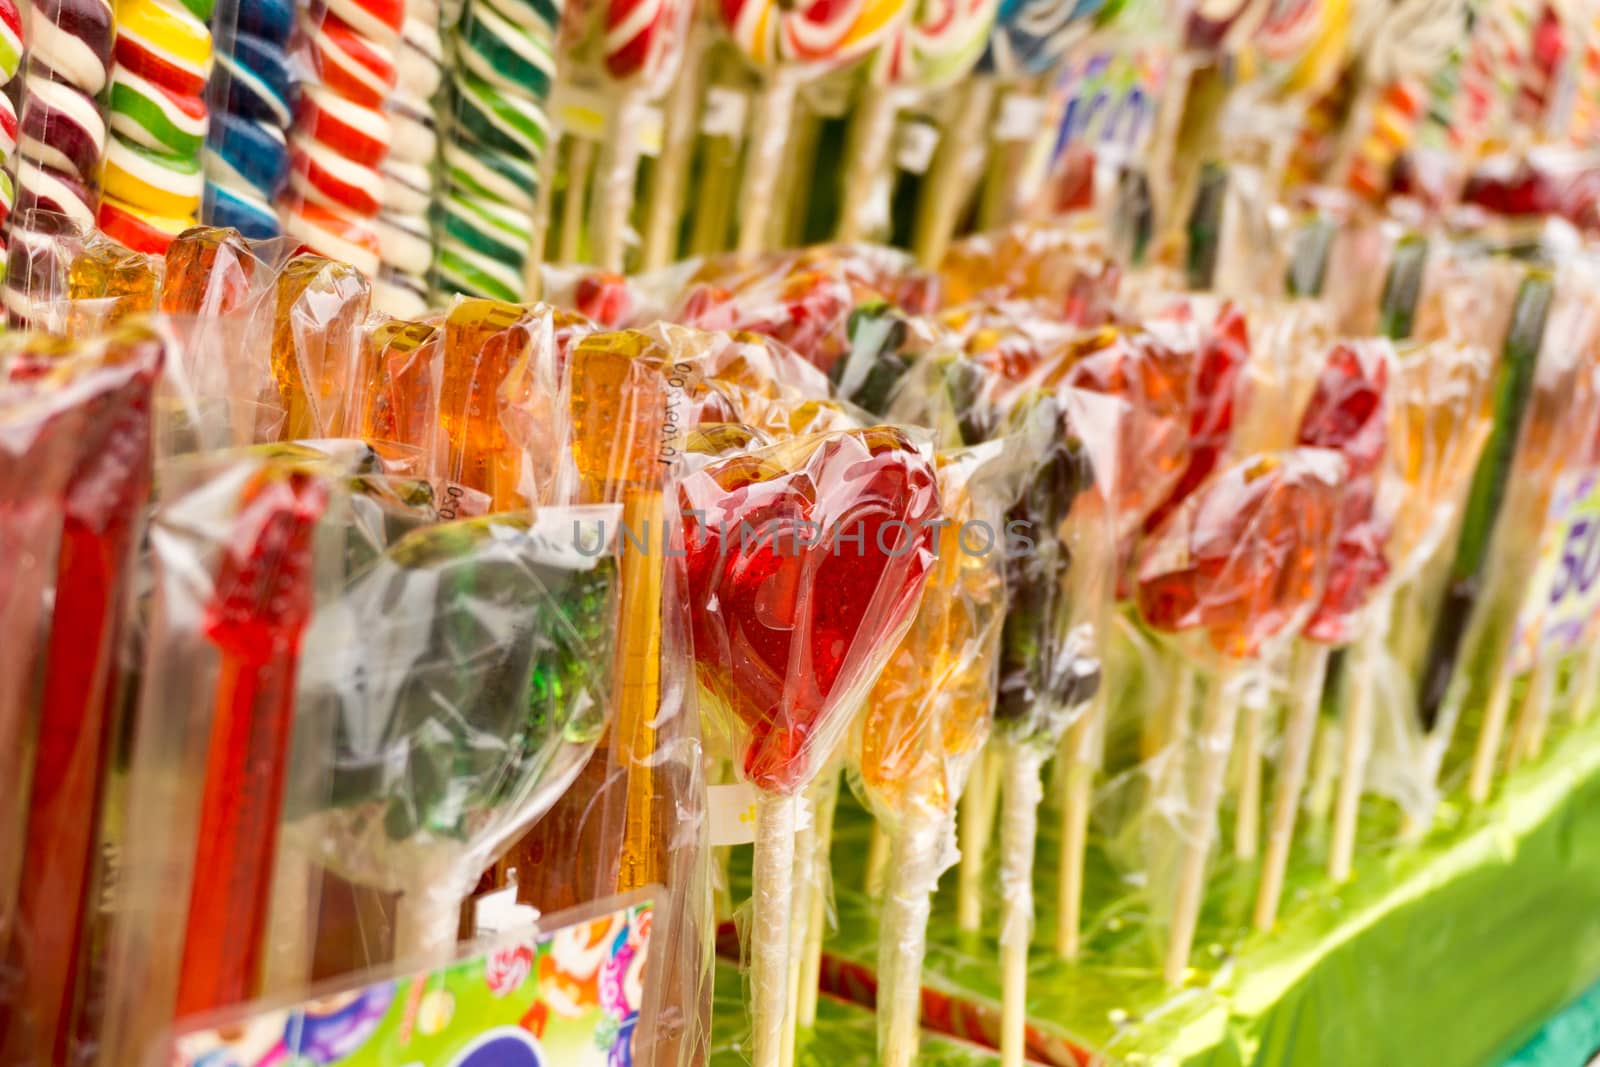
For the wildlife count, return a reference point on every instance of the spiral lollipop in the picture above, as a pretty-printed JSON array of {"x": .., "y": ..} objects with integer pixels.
[
  {"x": 789, "y": 44},
  {"x": 1243, "y": 560},
  {"x": 153, "y": 174},
  {"x": 341, "y": 131},
  {"x": 938, "y": 44},
  {"x": 1029, "y": 39},
  {"x": 642, "y": 45},
  {"x": 926, "y": 721},
  {"x": 787, "y": 637},
  {"x": 405, "y": 237},
  {"x": 247, "y": 150},
  {"x": 494, "y": 147},
  {"x": 59, "y": 130}
]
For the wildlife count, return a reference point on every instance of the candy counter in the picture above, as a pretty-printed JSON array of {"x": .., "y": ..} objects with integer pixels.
[{"x": 664, "y": 534}]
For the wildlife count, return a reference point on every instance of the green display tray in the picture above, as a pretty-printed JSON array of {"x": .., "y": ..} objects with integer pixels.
[
  {"x": 1571, "y": 1038},
  {"x": 846, "y": 1034},
  {"x": 1449, "y": 952}
]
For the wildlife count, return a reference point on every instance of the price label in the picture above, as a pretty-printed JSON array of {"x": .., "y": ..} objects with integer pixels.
[
  {"x": 581, "y": 111},
  {"x": 724, "y": 112},
  {"x": 915, "y": 143},
  {"x": 1020, "y": 118},
  {"x": 732, "y": 809},
  {"x": 1565, "y": 593}
]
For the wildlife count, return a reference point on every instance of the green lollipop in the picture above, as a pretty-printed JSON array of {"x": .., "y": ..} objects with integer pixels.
[{"x": 465, "y": 678}]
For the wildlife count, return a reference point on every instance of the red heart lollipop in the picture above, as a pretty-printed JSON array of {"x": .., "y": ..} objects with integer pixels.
[
  {"x": 1346, "y": 414},
  {"x": 1247, "y": 554},
  {"x": 804, "y": 562}
]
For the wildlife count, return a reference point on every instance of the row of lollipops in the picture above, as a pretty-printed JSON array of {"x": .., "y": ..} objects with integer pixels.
[
  {"x": 1219, "y": 490},
  {"x": 450, "y": 148}
]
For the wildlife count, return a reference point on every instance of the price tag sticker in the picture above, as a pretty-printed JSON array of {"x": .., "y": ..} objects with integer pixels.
[
  {"x": 580, "y": 110},
  {"x": 724, "y": 112},
  {"x": 915, "y": 143},
  {"x": 1020, "y": 118},
  {"x": 1565, "y": 592},
  {"x": 732, "y": 811}
]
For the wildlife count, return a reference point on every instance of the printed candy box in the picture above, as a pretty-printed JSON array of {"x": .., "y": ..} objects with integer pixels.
[{"x": 570, "y": 993}]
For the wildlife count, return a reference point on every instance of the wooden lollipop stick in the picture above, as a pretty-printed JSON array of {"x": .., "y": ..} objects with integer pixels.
[
  {"x": 871, "y": 130},
  {"x": 954, "y": 171},
  {"x": 977, "y": 820},
  {"x": 804, "y": 874},
  {"x": 773, "y": 875},
  {"x": 580, "y": 162},
  {"x": 1585, "y": 681},
  {"x": 1077, "y": 765},
  {"x": 877, "y": 860},
  {"x": 1216, "y": 738},
  {"x": 1490, "y": 735},
  {"x": 617, "y": 178},
  {"x": 1247, "y": 823},
  {"x": 1309, "y": 670},
  {"x": 824, "y": 804},
  {"x": 764, "y": 158},
  {"x": 665, "y": 205},
  {"x": 1021, "y": 792},
  {"x": 1527, "y": 736},
  {"x": 906, "y": 905},
  {"x": 1360, "y": 682},
  {"x": 426, "y": 925}
]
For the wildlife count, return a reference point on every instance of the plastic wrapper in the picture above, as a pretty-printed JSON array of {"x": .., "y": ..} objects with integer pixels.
[
  {"x": 486, "y": 342},
  {"x": 79, "y": 281},
  {"x": 927, "y": 719},
  {"x": 463, "y": 717},
  {"x": 76, "y": 713},
  {"x": 783, "y": 663},
  {"x": 396, "y": 396},
  {"x": 1065, "y": 264},
  {"x": 318, "y": 312},
  {"x": 1539, "y": 424},
  {"x": 232, "y": 551},
  {"x": 1243, "y": 560},
  {"x": 43, "y": 421}
]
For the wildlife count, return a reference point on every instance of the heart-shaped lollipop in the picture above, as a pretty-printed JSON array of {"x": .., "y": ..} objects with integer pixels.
[{"x": 802, "y": 561}]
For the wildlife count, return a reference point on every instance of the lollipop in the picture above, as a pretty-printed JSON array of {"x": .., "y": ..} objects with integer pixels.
[
  {"x": 105, "y": 489},
  {"x": 152, "y": 171},
  {"x": 256, "y": 90},
  {"x": 405, "y": 237},
  {"x": 1518, "y": 366},
  {"x": 122, "y": 282},
  {"x": 933, "y": 48},
  {"x": 400, "y": 398},
  {"x": 341, "y": 133},
  {"x": 643, "y": 44},
  {"x": 1439, "y": 420},
  {"x": 1048, "y": 670},
  {"x": 1243, "y": 559},
  {"x": 461, "y": 719},
  {"x": 786, "y": 660},
  {"x": 494, "y": 146},
  {"x": 315, "y": 341},
  {"x": 926, "y": 721},
  {"x": 789, "y": 45},
  {"x": 1348, "y": 415}
]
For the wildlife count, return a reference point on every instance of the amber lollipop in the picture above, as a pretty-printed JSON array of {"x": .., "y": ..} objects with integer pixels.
[
  {"x": 926, "y": 721},
  {"x": 1243, "y": 560}
]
